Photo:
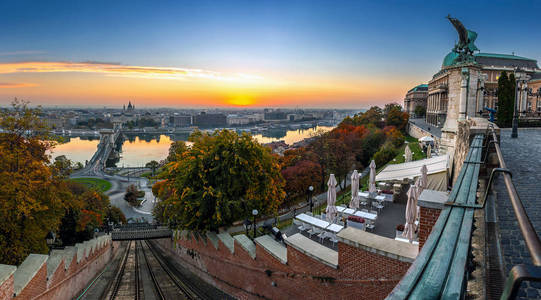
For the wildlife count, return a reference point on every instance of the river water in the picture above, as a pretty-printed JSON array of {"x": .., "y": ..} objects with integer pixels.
[{"x": 137, "y": 150}]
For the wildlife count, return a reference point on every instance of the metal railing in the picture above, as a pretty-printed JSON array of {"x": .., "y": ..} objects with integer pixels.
[{"x": 521, "y": 272}]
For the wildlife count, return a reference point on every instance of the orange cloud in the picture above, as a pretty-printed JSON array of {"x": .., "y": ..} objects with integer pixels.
[
  {"x": 115, "y": 69},
  {"x": 10, "y": 85}
]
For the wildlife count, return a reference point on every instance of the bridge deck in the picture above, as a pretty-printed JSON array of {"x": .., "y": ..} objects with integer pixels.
[{"x": 440, "y": 269}]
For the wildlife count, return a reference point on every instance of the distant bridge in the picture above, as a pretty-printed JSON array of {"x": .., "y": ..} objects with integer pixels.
[
  {"x": 109, "y": 139},
  {"x": 140, "y": 231}
]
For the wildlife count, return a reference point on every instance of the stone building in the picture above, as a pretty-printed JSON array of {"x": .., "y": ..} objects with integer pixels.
[
  {"x": 417, "y": 96},
  {"x": 480, "y": 79}
]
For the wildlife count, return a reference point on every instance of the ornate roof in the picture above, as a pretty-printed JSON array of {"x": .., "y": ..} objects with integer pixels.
[{"x": 420, "y": 87}]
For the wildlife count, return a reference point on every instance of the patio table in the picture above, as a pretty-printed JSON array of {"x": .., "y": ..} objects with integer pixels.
[
  {"x": 312, "y": 221},
  {"x": 366, "y": 215},
  {"x": 335, "y": 228}
]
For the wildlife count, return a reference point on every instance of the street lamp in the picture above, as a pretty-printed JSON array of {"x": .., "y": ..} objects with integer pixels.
[
  {"x": 247, "y": 225},
  {"x": 310, "y": 191},
  {"x": 254, "y": 213},
  {"x": 50, "y": 238}
]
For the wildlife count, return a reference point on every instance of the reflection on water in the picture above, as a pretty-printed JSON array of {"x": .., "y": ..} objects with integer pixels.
[
  {"x": 77, "y": 149},
  {"x": 289, "y": 136},
  {"x": 139, "y": 149}
]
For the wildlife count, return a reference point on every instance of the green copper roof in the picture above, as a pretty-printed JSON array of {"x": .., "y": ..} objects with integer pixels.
[
  {"x": 450, "y": 59},
  {"x": 419, "y": 87},
  {"x": 504, "y": 56}
]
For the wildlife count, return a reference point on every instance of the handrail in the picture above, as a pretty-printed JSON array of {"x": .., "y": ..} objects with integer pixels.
[{"x": 518, "y": 273}]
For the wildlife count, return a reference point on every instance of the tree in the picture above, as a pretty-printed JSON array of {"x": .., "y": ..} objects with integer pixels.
[
  {"x": 153, "y": 165},
  {"x": 394, "y": 116},
  {"x": 220, "y": 179},
  {"x": 131, "y": 195},
  {"x": 175, "y": 150},
  {"x": 506, "y": 99},
  {"x": 384, "y": 155},
  {"x": 32, "y": 196},
  {"x": 420, "y": 111},
  {"x": 299, "y": 177}
]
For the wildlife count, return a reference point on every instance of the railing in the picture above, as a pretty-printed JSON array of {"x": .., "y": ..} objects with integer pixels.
[{"x": 521, "y": 272}]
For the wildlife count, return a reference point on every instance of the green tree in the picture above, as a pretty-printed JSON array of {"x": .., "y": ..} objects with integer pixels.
[
  {"x": 175, "y": 150},
  {"x": 220, "y": 179},
  {"x": 506, "y": 99},
  {"x": 394, "y": 116},
  {"x": 153, "y": 165}
]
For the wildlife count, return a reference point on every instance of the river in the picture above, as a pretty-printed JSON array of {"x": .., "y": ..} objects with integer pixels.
[{"x": 139, "y": 149}]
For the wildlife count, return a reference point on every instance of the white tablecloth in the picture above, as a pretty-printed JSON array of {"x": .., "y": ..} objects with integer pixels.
[
  {"x": 366, "y": 215},
  {"x": 312, "y": 221},
  {"x": 335, "y": 228},
  {"x": 340, "y": 208},
  {"x": 349, "y": 211},
  {"x": 364, "y": 194}
]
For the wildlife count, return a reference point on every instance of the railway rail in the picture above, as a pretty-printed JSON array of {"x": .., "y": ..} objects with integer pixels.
[{"x": 143, "y": 273}]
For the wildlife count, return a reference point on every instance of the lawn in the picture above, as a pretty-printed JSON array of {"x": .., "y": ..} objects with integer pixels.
[{"x": 94, "y": 183}]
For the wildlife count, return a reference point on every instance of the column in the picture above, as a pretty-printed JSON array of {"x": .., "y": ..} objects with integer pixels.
[
  {"x": 524, "y": 96},
  {"x": 463, "y": 94},
  {"x": 481, "y": 92}
]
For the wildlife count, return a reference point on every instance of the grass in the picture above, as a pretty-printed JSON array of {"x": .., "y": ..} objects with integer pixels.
[
  {"x": 415, "y": 149},
  {"x": 94, "y": 183}
]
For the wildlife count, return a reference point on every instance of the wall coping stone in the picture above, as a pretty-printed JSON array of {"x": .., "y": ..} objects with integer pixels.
[
  {"x": 313, "y": 249},
  {"x": 246, "y": 243},
  {"x": 69, "y": 253},
  {"x": 228, "y": 241},
  {"x": 276, "y": 249},
  {"x": 55, "y": 258},
  {"x": 432, "y": 199},
  {"x": 377, "y": 244},
  {"x": 5, "y": 272},
  {"x": 27, "y": 270},
  {"x": 213, "y": 238}
]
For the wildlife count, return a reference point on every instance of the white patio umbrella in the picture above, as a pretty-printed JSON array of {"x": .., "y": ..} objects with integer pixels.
[
  {"x": 354, "y": 203},
  {"x": 428, "y": 151},
  {"x": 331, "y": 199},
  {"x": 372, "y": 179},
  {"x": 423, "y": 179},
  {"x": 407, "y": 154},
  {"x": 411, "y": 213},
  {"x": 426, "y": 139}
]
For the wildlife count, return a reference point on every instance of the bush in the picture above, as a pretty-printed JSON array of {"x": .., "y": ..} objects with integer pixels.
[
  {"x": 132, "y": 195},
  {"x": 384, "y": 155},
  {"x": 400, "y": 227}
]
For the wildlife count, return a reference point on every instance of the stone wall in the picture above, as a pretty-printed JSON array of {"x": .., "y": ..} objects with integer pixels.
[
  {"x": 362, "y": 272},
  {"x": 60, "y": 275}
]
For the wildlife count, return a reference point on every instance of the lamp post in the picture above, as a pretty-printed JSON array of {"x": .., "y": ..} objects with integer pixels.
[
  {"x": 514, "y": 132},
  {"x": 254, "y": 213},
  {"x": 310, "y": 191},
  {"x": 50, "y": 239},
  {"x": 247, "y": 224}
]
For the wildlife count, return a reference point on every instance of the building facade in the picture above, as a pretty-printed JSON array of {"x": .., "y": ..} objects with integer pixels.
[
  {"x": 209, "y": 120},
  {"x": 415, "y": 97}
]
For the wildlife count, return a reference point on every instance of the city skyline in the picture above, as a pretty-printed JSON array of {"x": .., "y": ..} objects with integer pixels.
[{"x": 288, "y": 54}]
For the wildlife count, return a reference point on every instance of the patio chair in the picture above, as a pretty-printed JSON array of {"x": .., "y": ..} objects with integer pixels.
[
  {"x": 314, "y": 231},
  {"x": 333, "y": 239},
  {"x": 322, "y": 235},
  {"x": 375, "y": 212},
  {"x": 323, "y": 216},
  {"x": 299, "y": 224},
  {"x": 370, "y": 226}
]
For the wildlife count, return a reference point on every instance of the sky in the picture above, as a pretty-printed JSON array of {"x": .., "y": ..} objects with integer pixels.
[{"x": 337, "y": 54}]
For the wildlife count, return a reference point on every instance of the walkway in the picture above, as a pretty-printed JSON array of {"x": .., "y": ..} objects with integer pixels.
[
  {"x": 421, "y": 123},
  {"x": 522, "y": 157}
]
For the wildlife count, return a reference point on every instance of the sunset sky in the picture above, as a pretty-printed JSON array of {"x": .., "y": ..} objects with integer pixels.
[{"x": 231, "y": 53}]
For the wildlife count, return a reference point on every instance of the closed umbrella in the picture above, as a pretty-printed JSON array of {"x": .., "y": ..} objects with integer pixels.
[
  {"x": 331, "y": 199},
  {"x": 407, "y": 154},
  {"x": 411, "y": 213},
  {"x": 429, "y": 151},
  {"x": 372, "y": 179},
  {"x": 354, "y": 203},
  {"x": 423, "y": 179}
]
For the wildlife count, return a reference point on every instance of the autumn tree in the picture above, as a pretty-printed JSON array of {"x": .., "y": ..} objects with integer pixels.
[
  {"x": 31, "y": 198},
  {"x": 299, "y": 177},
  {"x": 220, "y": 179},
  {"x": 175, "y": 150},
  {"x": 394, "y": 116},
  {"x": 153, "y": 165}
]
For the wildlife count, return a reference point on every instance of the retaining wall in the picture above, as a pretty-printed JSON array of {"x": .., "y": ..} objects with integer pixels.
[
  {"x": 60, "y": 275},
  {"x": 262, "y": 270}
]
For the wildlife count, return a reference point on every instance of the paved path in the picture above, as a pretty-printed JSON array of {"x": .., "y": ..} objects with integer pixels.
[
  {"x": 523, "y": 157},
  {"x": 436, "y": 131}
]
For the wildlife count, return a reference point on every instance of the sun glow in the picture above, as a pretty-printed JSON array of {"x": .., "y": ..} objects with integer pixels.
[{"x": 241, "y": 100}]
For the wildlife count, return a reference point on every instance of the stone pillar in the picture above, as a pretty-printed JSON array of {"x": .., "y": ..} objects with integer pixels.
[
  {"x": 430, "y": 205},
  {"x": 524, "y": 97},
  {"x": 481, "y": 92},
  {"x": 465, "y": 73}
]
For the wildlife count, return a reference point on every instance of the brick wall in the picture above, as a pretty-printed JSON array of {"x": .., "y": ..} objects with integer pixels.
[
  {"x": 6, "y": 289},
  {"x": 360, "y": 274},
  {"x": 63, "y": 283},
  {"x": 427, "y": 218}
]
